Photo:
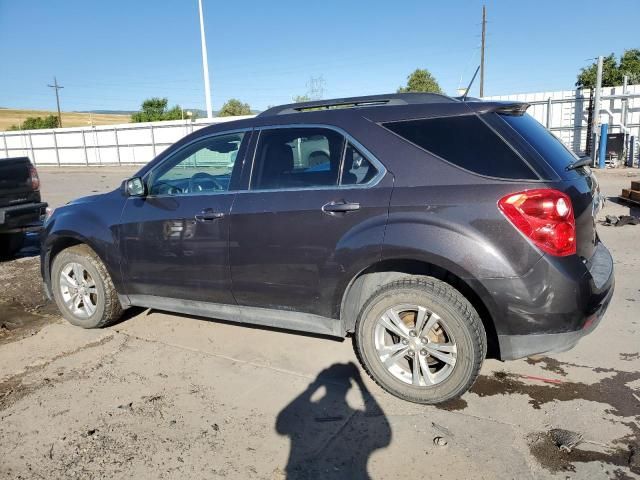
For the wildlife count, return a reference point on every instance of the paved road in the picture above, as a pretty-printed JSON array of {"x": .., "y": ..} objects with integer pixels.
[{"x": 166, "y": 396}]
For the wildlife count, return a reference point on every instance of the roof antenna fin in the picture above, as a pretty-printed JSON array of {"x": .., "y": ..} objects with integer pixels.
[{"x": 464, "y": 97}]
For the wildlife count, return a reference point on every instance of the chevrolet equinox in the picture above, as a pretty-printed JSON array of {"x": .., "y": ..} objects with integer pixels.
[{"x": 436, "y": 231}]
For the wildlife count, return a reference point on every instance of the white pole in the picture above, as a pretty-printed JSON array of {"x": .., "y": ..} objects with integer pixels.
[
  {"x": 595, "y": 125},
  {"x": 205, "y": 63}
]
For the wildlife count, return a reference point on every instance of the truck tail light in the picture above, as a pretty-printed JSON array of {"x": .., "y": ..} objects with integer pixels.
[
  {"x": 34, "y": 178},
  {"x": 544, "y": 216}
]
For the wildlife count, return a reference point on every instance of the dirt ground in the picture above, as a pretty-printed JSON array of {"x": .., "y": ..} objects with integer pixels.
[{"x": 167, "y": 396}]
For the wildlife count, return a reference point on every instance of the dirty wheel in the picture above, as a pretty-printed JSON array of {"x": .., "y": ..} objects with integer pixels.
[
  {"x": 421, "y": 340},
  {"x": 83, "y": 289}
]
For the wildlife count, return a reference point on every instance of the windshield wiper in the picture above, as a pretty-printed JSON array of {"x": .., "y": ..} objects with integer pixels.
[{"x": 583, "y": 162}]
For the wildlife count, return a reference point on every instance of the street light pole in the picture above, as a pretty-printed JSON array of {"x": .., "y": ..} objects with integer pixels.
[{"x": 205, "y": 63}]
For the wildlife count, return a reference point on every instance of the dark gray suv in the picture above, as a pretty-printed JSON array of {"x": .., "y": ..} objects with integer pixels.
[{"x": 436, "y": 231}]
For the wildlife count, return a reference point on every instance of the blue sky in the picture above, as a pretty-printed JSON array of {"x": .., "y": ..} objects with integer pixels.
[{"x": 111, "y": 54}]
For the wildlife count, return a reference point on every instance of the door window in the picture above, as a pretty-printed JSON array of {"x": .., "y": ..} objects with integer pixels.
[
  {"x": 202, "y": 168},
  {"x": 357, "y": 169},
  {"x": 297, "y": 158}
]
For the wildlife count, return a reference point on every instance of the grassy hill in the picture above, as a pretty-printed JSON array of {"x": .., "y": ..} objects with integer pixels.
[{"x": 10, "y": 116}]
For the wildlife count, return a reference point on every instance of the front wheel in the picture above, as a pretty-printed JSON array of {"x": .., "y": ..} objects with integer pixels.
[
  {"x": 83, "y": 289},
  {"x": 421, "y": 340}
]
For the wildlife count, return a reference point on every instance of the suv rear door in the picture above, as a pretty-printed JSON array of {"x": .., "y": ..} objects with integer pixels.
[{"x": 314, "y": 215}]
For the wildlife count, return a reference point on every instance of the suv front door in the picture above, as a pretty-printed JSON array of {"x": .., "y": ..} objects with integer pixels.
[
  {"x": 174, "y": 241},
  {"x": 315, "y": 211}
]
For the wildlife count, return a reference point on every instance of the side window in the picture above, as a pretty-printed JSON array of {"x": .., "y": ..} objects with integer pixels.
[
  {"x": 204, "y": 167},
  {"x": 357, "y": 169},
  {"x": 297, "y": 158},
  {"x": 465, "y": 141}
]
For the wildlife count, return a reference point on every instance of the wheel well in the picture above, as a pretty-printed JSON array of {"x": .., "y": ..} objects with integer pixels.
[
  {"x": 369, "y": 280},
  {"x": 59, "y": 245}
]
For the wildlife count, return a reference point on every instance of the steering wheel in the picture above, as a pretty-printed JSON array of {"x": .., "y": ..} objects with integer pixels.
[{"x": 198, "y": 181}]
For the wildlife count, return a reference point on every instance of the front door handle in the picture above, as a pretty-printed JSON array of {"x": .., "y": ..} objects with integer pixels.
[
  {"x": 208, "y": 215},
  {"x": 340, "y": 207}
]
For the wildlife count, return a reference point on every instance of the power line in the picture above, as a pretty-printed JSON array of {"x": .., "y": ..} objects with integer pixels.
[{"x": 57, "y": 87}]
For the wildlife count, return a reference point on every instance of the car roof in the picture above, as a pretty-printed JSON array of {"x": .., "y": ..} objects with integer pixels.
[{"x": 375, "y": 108}]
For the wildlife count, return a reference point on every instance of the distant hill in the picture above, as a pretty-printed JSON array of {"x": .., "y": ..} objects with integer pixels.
[
  {"x": 110, "y": 112},
  {"x": 12, "y": 116}
]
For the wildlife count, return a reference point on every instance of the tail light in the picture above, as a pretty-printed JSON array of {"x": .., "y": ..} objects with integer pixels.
[
  {"x": 34, "y": 178},
  {"x": 544, "y": 216}
]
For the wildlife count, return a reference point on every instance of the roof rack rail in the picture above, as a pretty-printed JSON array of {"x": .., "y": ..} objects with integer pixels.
[{"x": 356, "y": 102}]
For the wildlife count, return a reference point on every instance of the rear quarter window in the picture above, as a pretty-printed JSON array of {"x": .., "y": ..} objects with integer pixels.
[{"x": 465, "y": 141}]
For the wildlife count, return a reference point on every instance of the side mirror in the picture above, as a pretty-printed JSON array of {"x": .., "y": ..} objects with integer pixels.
[{"x": 134, "y": 187}]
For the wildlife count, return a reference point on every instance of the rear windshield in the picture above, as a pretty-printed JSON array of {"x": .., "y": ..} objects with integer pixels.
[
  {"x": 467, "y": 142},
  {"x": 544, "y": 142}
]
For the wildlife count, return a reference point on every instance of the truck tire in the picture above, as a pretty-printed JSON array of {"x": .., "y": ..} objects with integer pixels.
[
  {"x": 83, "y": 289},
  {"x": 421, "y": 340},
  {"x": 10, "y": 244}
]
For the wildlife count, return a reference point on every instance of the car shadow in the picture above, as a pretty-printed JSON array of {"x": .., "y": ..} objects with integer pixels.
[
  {"x": 329, "y": 438},
  {"x": 31, "y": 248}
]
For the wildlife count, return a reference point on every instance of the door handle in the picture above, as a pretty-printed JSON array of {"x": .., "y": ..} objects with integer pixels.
[
  {"x": 208, "y": 215},
  {"x": 340, "y": 207}
]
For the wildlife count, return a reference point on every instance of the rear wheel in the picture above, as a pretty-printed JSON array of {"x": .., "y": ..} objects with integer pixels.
[
  {"x": 421, "y": 340},
  {"x": 83, "y": 289},
  {"x": 10, "y": 244}
]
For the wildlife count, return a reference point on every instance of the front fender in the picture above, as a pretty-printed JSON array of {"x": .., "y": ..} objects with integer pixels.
[{"x": 81, "y": 223}]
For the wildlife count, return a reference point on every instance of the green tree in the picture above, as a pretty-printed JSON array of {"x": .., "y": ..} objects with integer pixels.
[
  {"x": 630, "y": 65},
  {"x": 612, "y": 71},
  {"x": 35, "y": 123},
  {"x": 155, "y": 109},
  {"x": 611, "y": 75},
  {"x": 421, "y": 80},
  {"x": 301, "y": 98},
  {"x": 234, "y": 107}
]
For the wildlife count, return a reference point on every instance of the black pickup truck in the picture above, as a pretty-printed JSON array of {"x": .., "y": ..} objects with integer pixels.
[{"x": 21, "y": 208}]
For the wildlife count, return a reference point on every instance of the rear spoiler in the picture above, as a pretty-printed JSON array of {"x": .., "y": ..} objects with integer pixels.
[
  {"x": 516, "y": 109},
  {"x": 503, "y": 108}
]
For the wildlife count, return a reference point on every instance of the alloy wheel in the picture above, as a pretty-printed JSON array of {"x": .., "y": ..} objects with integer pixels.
[
  {"x": 415, "y": 345},
  {"x": 78, "y": 290}
]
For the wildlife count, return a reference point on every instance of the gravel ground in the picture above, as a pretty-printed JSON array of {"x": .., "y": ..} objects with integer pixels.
[{"x": 167, "y": 396}]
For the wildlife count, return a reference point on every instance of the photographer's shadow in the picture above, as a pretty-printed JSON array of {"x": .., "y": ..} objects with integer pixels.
[{"x": 329, "y": 438}]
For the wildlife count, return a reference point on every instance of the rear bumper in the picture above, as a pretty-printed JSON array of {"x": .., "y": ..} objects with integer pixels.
[
  {"x": 22, "y": 218},
  {"x": 550, "y": 309},
  {"x": 513, "y": 347}
]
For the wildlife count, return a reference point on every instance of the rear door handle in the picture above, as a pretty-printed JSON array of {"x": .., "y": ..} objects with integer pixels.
[
  {"x": 208, "y": 215},
  {"x": 340, "y": 207}
]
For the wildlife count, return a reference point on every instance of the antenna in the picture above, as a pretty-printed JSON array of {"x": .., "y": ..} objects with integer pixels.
[{"x": 464, "y": 97}]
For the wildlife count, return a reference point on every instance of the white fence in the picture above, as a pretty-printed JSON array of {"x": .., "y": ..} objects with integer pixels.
[
  {"x": 128, "y": 143},
  {"x": 565, "y": 113}
]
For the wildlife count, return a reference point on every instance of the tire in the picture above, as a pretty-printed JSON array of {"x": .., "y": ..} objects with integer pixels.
[
  {"x": 103, "y": 307},
  {"x": 450, "y": 323},
  {"x": 10, "y": 244}
]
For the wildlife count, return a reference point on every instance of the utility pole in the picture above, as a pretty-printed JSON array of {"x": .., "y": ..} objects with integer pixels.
[
  {"x": 484, "y": 31},
  {"x": 596, "y": 111},
  {"x": 57, "y": 87},
  {"x": 205, "y": 63}
]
